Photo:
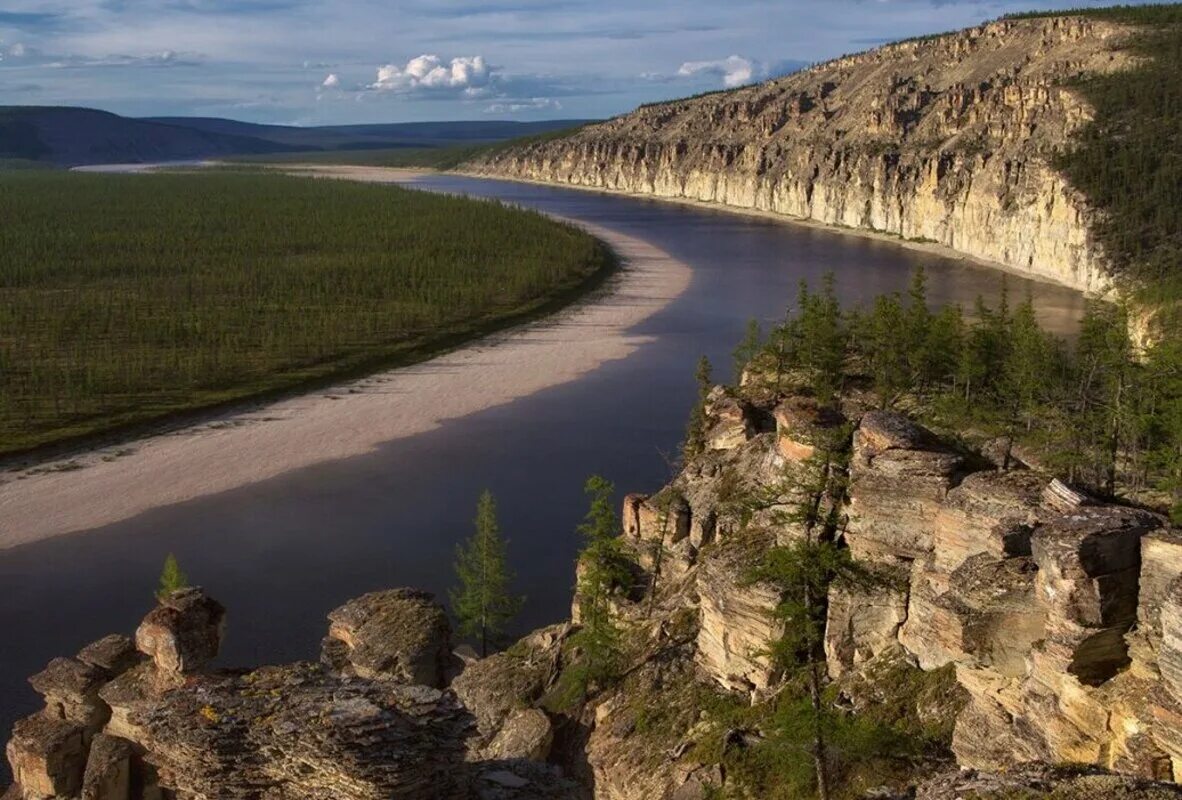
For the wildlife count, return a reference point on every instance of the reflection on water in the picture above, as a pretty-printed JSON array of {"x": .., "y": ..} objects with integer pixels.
[{"x": 282, "y": 553}]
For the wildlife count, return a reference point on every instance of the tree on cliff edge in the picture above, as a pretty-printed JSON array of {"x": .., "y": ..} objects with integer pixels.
[
  {"x": 172, "y": 578},
  {"x": 482, "y": 603},
  {"x": 601, "y": 572}
]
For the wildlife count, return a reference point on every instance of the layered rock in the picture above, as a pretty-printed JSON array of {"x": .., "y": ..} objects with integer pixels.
[
  {"x": 400, "y": 634},
  {"x": 125, "y": 726},
  {"x": 946, "y": 139}
]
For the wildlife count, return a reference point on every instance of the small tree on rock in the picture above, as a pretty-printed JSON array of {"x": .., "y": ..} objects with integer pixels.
[
  {"x": 483, "y": 603},
  {"x": 172, "y": 578},
  {"x": 601, "y": 571}
]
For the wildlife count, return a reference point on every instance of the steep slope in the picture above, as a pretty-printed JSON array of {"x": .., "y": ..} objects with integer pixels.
[
  {"x": 949, "y": 139},
  {"x": 70, "y": 136}
]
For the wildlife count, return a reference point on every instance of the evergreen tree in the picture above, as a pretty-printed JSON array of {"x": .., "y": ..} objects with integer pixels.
[
  {"x": 483, "y": 603},
  {"x": 886, "y": 360},
  {"x": 803, "y": 573},
  {"x": 172, "y": 578},
  {"x": 1104, "y": 373},
  {"x": 695, "y": 434},
  {"x": 748, "y": 348},
  {"x": 822, "y": 338},
  {"x": 601, "y": 572}
]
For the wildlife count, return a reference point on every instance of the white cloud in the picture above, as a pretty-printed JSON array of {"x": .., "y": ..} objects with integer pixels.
[
  {"x": 524, "y": 104},
  {"x": 734, "y": 70},
  {"x": 468, "y": 75},
  {"x": 333, "y": 81}
]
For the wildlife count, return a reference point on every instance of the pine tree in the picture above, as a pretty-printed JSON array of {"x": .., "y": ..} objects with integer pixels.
[
  {"x": 601, "y": 572},
  {"x": 172, "y": 578},
  {"x": 483, "y": 603}
]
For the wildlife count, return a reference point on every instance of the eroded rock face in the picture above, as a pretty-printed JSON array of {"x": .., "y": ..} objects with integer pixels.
[
  {"x": 948, "y": 139},
  {"x": 494, "y": 688},
  {"x": 736, "y": 621},
  {"x": 184, "y": 632},
  {"x": 400, "y": 634},
  {"x": 1088, "y": 569}
]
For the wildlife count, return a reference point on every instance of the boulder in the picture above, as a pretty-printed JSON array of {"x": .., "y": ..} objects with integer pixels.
[
  {"x": 108, "y": 769},
  {"x": 114, "y": 654},
  {"x": 664, "y": 517},
  {"x": 48, "y": 756},
  {"x": 862, "y": 624},
  {"x": 801, "y": 424},
  {"x": 526, "y": 733},
  {"x": 398, "y": 634},
  {"x": 987, "y": 617},
  {"x": 1161, "y": 565},
  {"x": 630, "y": 516},
  {"x": 183, "y": 633},
  {"x": 899, "y": 476},
  {"x": 730, "y": 422},
  {"x": 988, "y": 512},
  {"x": 70, "y": 689},
  {"x": 736, "y": 615},
  {"x": 1088, "y": 568},
  {"x": 492, "y": 688}
]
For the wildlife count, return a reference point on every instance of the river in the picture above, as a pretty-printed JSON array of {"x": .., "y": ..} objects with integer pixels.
[{"x": 283, "y": 552}]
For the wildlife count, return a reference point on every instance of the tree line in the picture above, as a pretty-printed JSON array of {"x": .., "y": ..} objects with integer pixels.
[{"x": 1105, "y": 415}]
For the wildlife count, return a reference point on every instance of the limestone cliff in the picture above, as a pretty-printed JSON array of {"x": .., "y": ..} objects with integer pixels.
[{"x": 945, "y": 139}]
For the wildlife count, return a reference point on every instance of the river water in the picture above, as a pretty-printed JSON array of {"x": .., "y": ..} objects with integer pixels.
[{"x": 282, "y": 553}]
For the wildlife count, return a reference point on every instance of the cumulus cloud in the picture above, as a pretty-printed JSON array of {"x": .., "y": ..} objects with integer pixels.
[
  {"x": 468, "y": 75},
  {"x": 734, "y": 70},
  {"x": 333, "y": 81},
  {"x": 524, "y": 104}
]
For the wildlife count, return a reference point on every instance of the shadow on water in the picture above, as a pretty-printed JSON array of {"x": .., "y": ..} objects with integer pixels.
[{"x": 283, "y": 552}]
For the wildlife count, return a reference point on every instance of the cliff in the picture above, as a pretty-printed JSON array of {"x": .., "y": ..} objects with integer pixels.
[
  {"x": 1018, "y": 625},
  {"x": 946, "y": 139}
]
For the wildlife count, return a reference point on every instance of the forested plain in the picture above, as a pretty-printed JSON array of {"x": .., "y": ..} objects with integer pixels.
[{"x": 127, "y": 298}]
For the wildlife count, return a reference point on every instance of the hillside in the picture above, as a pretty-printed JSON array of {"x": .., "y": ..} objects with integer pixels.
[
  {"x": 373, "y": 137},
  {"x": 958, "y": 139},
  {"x": 72, "y": 136}
]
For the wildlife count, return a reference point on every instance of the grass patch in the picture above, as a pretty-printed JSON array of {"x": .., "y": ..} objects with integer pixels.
[{"x": 129, "y": 298}]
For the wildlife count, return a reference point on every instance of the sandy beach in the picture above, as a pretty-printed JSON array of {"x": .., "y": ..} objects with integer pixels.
[{"x": 236, "y": 449}]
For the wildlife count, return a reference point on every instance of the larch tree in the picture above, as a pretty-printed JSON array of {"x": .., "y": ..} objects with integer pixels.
[
  {"x": 483, "y": 601},
  {"x": 172, "y": 578}
]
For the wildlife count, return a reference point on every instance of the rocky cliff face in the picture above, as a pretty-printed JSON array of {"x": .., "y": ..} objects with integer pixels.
[
  {"x": 946, "y": 139},
  {"x": 1017, "y": 624}
]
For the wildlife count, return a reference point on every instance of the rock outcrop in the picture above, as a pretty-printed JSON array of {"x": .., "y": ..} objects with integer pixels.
[
  {"x": 125, "y": 725},
  {"x": 945, "y": 139}
]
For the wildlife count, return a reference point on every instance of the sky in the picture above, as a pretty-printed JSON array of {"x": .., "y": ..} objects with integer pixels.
[{"x": 314, "y": 62}]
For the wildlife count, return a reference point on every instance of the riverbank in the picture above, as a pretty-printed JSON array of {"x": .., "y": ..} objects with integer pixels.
[{"x": 245, "y": 446}]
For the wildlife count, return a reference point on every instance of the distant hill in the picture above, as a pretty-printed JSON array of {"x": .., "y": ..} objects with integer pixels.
[
  {"x": 376, "y": 136},
  {"x": 68, "y": 136}
]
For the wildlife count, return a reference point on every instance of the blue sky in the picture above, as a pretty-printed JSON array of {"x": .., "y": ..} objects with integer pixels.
[{"x": 341, "y": 61}]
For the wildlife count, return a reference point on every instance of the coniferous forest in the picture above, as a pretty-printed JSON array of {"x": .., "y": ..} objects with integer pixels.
[{"x": 126, "y": 298}]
